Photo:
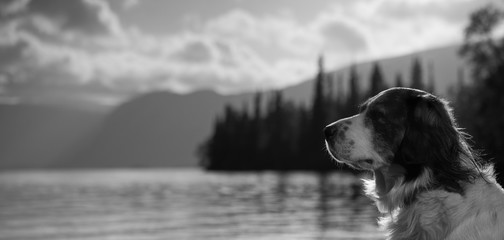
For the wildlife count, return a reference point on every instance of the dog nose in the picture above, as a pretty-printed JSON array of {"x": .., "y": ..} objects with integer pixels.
[{"x": 330, "y": 131}]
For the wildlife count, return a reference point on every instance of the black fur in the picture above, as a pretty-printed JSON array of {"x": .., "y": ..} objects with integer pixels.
[
  {"x": 416, "y": 147},
  {"x": 432, "y": 140}
]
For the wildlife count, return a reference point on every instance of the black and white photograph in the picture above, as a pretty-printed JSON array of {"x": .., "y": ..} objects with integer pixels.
[{"x": 251, "y": 120}]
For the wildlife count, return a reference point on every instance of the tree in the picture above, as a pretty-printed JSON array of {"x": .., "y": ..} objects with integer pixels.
[
  {"x": 432, "y": 86},
  {"x": 257, "y": 133},
  {"x": 354, "y": 97},
  {"x": 280, "y": 137},
  {"x": 320, "y": 118},
  {"x": 339, "y": 88},
  {"x": 377, "y": 83},
  {"x": 479, "y": 105},
  {"x": 480, "y": 47},
  {"x": 257, "y": 105},
  {"x": 416, "y": 74},
  {"x": 277, "y": 132},
  {"x": 319, "y": 109},
  {"x": 329, "y": 93}
]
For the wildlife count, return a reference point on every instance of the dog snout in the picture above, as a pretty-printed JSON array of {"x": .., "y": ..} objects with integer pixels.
[
  {"x": 337, "y": 130},
  {"x": 330, "y": 131}
]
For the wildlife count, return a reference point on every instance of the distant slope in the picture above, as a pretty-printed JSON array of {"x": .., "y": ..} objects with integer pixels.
[
  {"x": 38, "y": 136},
  {"x": 158, "y": 129},
  {"x": 445, "y": 62}
]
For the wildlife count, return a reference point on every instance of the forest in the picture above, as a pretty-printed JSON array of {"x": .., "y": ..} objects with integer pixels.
[
  {"x": 277, "y": 134},
  {"x": 285, "y": 136}
]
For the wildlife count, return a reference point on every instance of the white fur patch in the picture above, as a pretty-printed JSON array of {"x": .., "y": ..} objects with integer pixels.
[
  {"x": 439, "y": 214},
  {"x": 395, "y": 197},
  {"x": 357, "y": 144}
]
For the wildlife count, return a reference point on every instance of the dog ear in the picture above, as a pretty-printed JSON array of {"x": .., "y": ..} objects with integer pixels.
[
  {"x": 431, "y": 111},
  {"x": 431, "y": 140},
  {"x": 430, "y": 131}
]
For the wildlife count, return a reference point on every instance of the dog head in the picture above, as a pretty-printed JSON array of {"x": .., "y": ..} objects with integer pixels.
[{"x": 404, "y": 136}]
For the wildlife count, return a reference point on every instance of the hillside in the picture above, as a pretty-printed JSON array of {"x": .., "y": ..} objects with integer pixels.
[
  {"x": 38, "y": 136},
  {"x": 445, "y": 63},
  {"x": 158, "y": 129}
]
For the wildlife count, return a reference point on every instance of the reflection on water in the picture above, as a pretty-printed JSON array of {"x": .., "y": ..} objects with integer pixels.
[{"x": 183, "y": 204}]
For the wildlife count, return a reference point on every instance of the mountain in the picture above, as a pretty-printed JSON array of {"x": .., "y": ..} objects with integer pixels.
[
  {"x": 444, "y": 61},
  {"x": 38, "y": 135},
  {"x": 157, "y": 129}
]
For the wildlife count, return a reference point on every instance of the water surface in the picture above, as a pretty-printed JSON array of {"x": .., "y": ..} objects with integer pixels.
[{"x": 183, "y": 204}]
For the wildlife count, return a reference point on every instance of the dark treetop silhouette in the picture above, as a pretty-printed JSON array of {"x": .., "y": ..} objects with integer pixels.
[{"x": 279, "y": 135}]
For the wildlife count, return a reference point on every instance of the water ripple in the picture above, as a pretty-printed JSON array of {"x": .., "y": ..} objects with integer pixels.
[{"x": 183, "y": 204}]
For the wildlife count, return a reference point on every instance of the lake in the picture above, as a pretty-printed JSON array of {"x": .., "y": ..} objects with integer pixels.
[{"x": 183, "y": 204}]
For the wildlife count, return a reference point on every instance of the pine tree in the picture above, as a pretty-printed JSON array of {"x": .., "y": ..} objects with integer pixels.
[
  {"x": 257, "y": 105},
  {"x": 329, "y": 93},
  {"x": 278, "y": 131},
  {"x": 377, "y": 83},
  {"x": 257, "y": 134},
  {"x": 432, "y": 85},
  {"x": 482, "y": 48},
  {"x": 340, "y": 92},
  {"x": 330, "y": 99},
  {"x": 354, "y": 88},
  {"x": 481, "y": 102},
  {"x": 319, "y": 115},
  {"x": 416, "y": 74},
  {"x": 319, "y": 119}
]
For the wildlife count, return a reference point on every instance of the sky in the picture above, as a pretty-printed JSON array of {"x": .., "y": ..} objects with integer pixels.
[{"x": 229, "y": 46}]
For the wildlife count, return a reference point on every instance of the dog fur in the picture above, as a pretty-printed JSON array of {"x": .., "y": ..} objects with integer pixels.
[{"x": 427, "y": 181}]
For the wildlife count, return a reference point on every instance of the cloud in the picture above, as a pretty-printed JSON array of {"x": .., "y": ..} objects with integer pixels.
[
  {"x": 265, "y": 31},
  {"x": 84, "y": 42},
  {"x": 195, "y": 52},
  {"x": 86, "y": 17},
  {"x": 366, "y": 30},
  {"x": 128, "y": 4},
  {"x": 228, "y": 66},
  {"x": 11, "y": 53},
  {"x": 343, "y": 38},
  {"x": 348, "y": 31},
  {"x": 454, "y": 11},
  {"x": 49, "y": 43}
]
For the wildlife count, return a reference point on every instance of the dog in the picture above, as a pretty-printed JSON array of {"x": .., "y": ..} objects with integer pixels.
[{"x": 427, "y": 181}]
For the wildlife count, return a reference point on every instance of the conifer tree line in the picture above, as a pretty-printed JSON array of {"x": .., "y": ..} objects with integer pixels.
[
  {"x": 285, "y": 136},
  {"x": 479, "y": 103},
  {"x": 280, "y": 135}
]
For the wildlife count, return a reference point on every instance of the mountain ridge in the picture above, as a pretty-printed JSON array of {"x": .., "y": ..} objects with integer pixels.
[{"x": 164, "y": 129}]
